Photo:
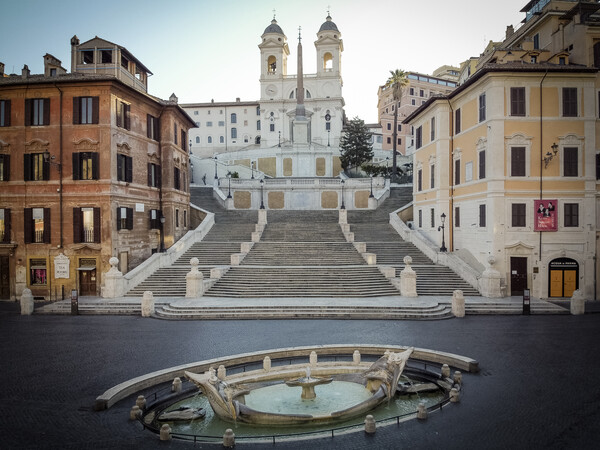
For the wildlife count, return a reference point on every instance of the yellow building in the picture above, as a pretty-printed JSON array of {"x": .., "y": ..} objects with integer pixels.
[{"x": 511, "y": 156}]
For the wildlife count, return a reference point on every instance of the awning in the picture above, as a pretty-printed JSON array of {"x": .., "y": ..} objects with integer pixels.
[
  {"x": 37, "y": 267},
  {"x": 87, "y": 268}
]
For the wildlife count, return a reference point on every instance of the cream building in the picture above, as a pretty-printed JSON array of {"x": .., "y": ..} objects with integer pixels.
[{"x": 511, "y": 156}]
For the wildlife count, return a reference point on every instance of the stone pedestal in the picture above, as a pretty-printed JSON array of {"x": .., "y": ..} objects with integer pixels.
[
  {"x": 349, "y": 237},
  {"x": 356, "y": 357},
  {"x": 370, "y": 258},
  {"x": 256, "y": 235},
  {"x": 577, "y": 303},
  {"x": 147, "y": 304},
  {"x": 313, "y": 358},
  {"x": 221, "y": 372},
  {"x": 267, "y": 364},
  {"x": 343, "y": 217},
  {"x": 194, "y": 281},
  {"x": 388, "y": 271},
  {"x": 408, "y": 279},
  {"x": 229, "y": 203},
  {"x": 262, "y": 217},
  {"x": 114, "y": 283},
  {"x": 421, "y": 411},
  {"x": 345, "y": 227},
  {"x": 458, "y": 303},
  {"x": 26, "y": 302},
  {"x": 372, "y": 203},
  {"x": 218, "y": 272},
  {"x": 246, "y": 247},
  {"x": 259, "y": 228},
  {"x": 361, "y": 247},
  {"x": 135, "y": 412},
  {"x": 236, "y": 258},
  {"x": 489, "y": 283}
]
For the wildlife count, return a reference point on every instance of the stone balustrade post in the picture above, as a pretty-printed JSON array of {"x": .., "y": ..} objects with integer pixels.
[
  {"x": 458, "y": 303},
  {"x": 218, "y": 272},
  {"x": 489, "y": 283},
  {"x": 135, "y": 412},
  {"x": 194, "y": 281},
  {"x": 577, "y": 303},
  {"x": 147, "y": 304},
  {"x": 114, "y": 283},
  {"x": 141, "y": 402},
  {"x": 262, "y": 217},
  {"x": 421, "y": 411},
  {"x": 343, "y": 216},
  {"x": 349, "y": 237},
  {"x": 313, "y": 358},
  {"x": 345, "y": 227},
  {"x": 221, "y": 372},
  {"x": 370, "y": 258},
  {"x": 176, "y": 385},
  {"x": 408, "y": 279},
  {"x": 26, "y": 302},
  {"x": 356, "y": 357},
  {"x": 246, "y": 247},
  {"x": 388, "y": 271},
  {"x": 446, "y": 371},
  {"x": 237, "y": 258},
  {"x": 256, "y": 235},
  {"x": 361, "y": 247},
  {"x": 267, "y": 364}
]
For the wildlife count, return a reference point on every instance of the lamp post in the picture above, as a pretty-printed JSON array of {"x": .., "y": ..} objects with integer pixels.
[
  {"x": 343, "y": 206},
  {"x": 262, "y": 205},
  {"x": 216, "y": 177},
  {"x": 548, "y": 156},
  {"x": 279, "y": 144},
  {"x": 328, "y": 118},
  {"x": 192, "y": 172},
  {"x": 229, "y": 178},
  {"x": 442, "y": 227},
  {"x": 50, "y": 160},
  {"x": 252, "y": 167},
  {"x": 371, "y": 194},
  {"x": 162, "y": 232}
]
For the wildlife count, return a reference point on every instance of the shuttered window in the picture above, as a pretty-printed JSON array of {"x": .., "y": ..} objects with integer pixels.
[
  {"x": 517, "y": 101},
  {"x": 517, "y": 161},
  {"x": 124, "y": 218},
  {"x": 36, "y": 225},
  {"x": 569, "y": 98},
  {"x": 124, "y": 168},
  {"x": 4, "y": 167},
  {"x": 482, "y": 216},
  {"x": 518, "y": 214},
  {"x": 35, "y": 168},
  {"x": 123, "y": 115},
  {"x": 570, "y": 161},
  {"x": 37, "y": 111},
  {"x": 85, "y": 166},
  {"x": 85, "y": 110},
  {"x": 4, "y": 113},
  {"x": 86, "y": 225},
  {"x": 4, "y": 225}
]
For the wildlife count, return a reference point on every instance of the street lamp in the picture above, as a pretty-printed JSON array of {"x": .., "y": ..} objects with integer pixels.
[
  {"x": 262, "y": 205},
  {"x": 328, "y": 133},
  {"x": 548, "y": 156},
  {"x": 441, "y": 228},
  {"x": 229, "y": 178},
  {"x": 343, "y": 206},
  {"x": 328, "y": 118},
  {"x": 279, "y": 144},
  {"x": 216, "y": 177},
  {"x": 50, "y": 160},
  {"x": 192, "y": 171},
  {"x": 252, "y": 167},
  {"x": 162, "y": 232},
  {"x": 371, "y": 195}
]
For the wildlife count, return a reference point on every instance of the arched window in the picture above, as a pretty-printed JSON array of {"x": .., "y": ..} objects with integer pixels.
[
  {"x": 221, "y": 140},
  {"x": 233, "y": 118},
  {"x": 197, "y": 139},
  {"x": 234, "y": 133},
  {"x": 306, "y": 93},
  {"x": 272, "y": 64},
  {"x": 327, "y": 62},
  {"x": 209, "y": 139},
  {"x": 246, "y": 138},
  {"x": 257, "y": 140}
]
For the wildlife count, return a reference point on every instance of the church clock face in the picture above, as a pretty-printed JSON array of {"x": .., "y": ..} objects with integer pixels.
[{"x": 271, "y": 90}]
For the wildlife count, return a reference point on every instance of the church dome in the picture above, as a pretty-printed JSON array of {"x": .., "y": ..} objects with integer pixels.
[
  {"x": 328, "y": 25},
  {"x": 273, "y": 28}
]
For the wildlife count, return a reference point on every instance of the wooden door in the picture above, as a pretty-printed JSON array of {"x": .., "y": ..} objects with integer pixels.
[
  {"x": 570, "y": 282},
  {"x": 518, "y": 275},
  {"x": 87, "y": 282},
  {"x": 556, "y": 283}
]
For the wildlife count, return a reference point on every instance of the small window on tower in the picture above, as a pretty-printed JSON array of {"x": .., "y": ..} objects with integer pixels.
[
  {"x": 327, "y": 62},
  {"x": 272, "y": 64}
]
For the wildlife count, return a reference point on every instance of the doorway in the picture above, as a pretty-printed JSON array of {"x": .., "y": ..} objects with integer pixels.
[
  {"x": 4, "y": 279},
  {"x": 518, "y": 275},
  {"x": 87, "y": 277},
  {"x": 563, "y": 277}
]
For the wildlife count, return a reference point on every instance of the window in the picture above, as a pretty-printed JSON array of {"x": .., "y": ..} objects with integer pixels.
[
  {"x": 482, "y": 218},
  {"x": 389, "y": 140},
  {"x": 327, "y": 126},
  {"x": 258, "y": 110},
  {"x": 177, "y": 218},
  {"x": 5, "y": 167},
  {"x": 536, "y": 42},
  {"x": 389, "y": 126},
  {"x": 570, "y": 161},
  {"x": 412, "y": 91},
  {"x": 432, "y": 176},
  {"x": 197, "y": 139},
  {"x": 4, "y": 225},
  {"x": 420, "y": 180},
  {"x": 569, "y": 98},
  {"x": 457, "y": 121},
  {"x": 233, "y": 118},
  {"x": 234, "y": 133},
  {"x": 4, "y": 113},
  {"x": 258, "y": 125},
  {"x": 123, "y": 113},
  {"x": 421, "y": 93},
  {"x": 35, "y": 168},
  {"x": 85, "y": 166},
  {"x": 195, "y": 113},
  {"x": 37, "y": 225},
  {"x": 209, "y": 139},
  {"x": 185, "y": 219},
  {"x": 482, "y": 164},
  {"x": 457, "y": 217},
  {"x": 420, "y": 218},
  {"x": 152, "y": 127},
  {"x": 176, "y": 178},
  {"x": 37, "y": 271},
  {"x": 87, "y": 56},
  {"x": 124, "y": 218},
  {"x": 469, "y": 171},
  {"x": 86, "y": 225},
  {"x": 457, "y": 172},
  {"x": 413, "y": 102},
  {"x": 221, "y": 123},
  {"x": 184, "y": 140},
  {"x": 124, "y": 62},
  {"x": 209, "y": 124},
  {"x": 518, "y": 215},
  {"x": 272, "y": 127},
  {"x": 432, "y": 134},
  {"x": 419, "y": 137},
  {"x": 517, "y": 101},
  {"x": 482, "y": 107},
  {"x": 221, "y": 139},
  {"x": 153, "y": 175},
  {"x": 399, "y": 127},
  {"x": 517, "y": 161},
  {"x": 571, "y": 214},
  {"x": 432, "y": 213},
  {"x": 399, "y": 141},
  {"x": 37, "y": 111},
  {"x": 85, "y": 110},
  {"x": 175, "y": 133},
  {"x": 124, "y": 168},
  {"x": 597, "y": 166},
  {"x": 154, "y": 219},
  {"x": 106, "y": 56}
]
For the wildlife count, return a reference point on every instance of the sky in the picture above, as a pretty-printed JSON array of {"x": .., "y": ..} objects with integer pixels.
[{"x": 203, "y": 50}]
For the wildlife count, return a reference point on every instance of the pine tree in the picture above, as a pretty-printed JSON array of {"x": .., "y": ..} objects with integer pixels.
[{"x": 355, "y": 144}]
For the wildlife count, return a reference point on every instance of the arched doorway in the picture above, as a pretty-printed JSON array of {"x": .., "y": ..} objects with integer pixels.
[{"x": 563, "y": 277}]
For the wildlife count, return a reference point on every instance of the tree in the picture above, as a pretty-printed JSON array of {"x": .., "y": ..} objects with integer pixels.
[
  {"x": 355, "y": 144},
  {"x": 398, "y": 80}
]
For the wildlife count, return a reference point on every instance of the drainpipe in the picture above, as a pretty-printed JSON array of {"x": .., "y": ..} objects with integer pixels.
[
  {"x": 451, "y": 172},
  {"x": 161, "y": 244},
  {"x": 541, "y": 154},
  {"x": 60, "y": 159}
]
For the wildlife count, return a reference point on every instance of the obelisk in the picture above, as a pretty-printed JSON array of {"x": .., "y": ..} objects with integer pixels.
[{"x": 301, "y": 125}]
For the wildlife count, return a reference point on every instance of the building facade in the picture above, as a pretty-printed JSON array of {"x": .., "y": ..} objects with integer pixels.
[
  {"x": 511, "y": 156},
  {"x": 89, "y": 164}
]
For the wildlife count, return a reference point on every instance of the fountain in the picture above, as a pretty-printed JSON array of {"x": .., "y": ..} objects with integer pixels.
[{"x": 375, "y": 385}]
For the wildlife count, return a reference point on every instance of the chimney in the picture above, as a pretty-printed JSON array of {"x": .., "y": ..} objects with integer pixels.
[
  {"x": 510, "y": 30},
  {"x": 1, "y": 69},
  {"x": 173, "y": 98},
  {"x": 237, "y": 99},
  {"x": 25, "y": 72}
]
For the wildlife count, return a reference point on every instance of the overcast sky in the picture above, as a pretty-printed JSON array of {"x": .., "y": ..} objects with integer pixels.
[{"x": 202, "y": 50}]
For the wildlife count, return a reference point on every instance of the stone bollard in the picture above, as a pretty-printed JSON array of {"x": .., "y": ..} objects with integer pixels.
[
  {"x": 229, "y": 438},
  {"x": 267, "y": 364},
  {"x": 446, "y": 371},
  {"x": 313, "y": 359},
  {"x": 457, "y": 377},
  {"x": 458, "y": 303},
  {"x": 135, "y": 412},
  {"x": 370, "y": 425},
  {"x": 262, "y": 217},
  {"x": 454, "y": 395},
  {"x": 408, "y": 279},
  {"x": 356, "y": 357},
  {"x": 147, "y": 304},
  {"x": 577, "y": 303},
  {"x": 141, "y": 402},
  {"x": 421, "y": 411},
  {"x": 165, "y": 432},
  {"x": 194, "y": 281},
  {"x": 26, "y": 302},
  {"x": 176, "y": 386},
  {"x": 343, "y": 216},
  {"x": 221, "y": 372}
]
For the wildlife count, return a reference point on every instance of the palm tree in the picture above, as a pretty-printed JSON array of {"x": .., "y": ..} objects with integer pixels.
[{"x": 398, "y": 80}]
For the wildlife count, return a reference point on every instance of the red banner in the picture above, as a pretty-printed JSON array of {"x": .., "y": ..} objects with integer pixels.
[{"x": 546, "y": 215}]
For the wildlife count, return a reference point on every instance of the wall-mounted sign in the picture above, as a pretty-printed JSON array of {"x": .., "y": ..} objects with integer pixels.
[
  {"x": 546, "y": 215},
  {"x": 139, "y": 207},
  {"x": 61, "y": 266}
]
